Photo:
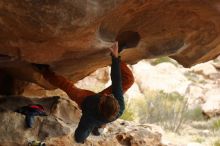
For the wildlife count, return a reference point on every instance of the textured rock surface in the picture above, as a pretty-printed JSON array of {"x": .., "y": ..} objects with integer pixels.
[
  {"x": 164, "y": 76},
  {"x": 64, "y": 33},
  {"x": 58, "y": 128}
]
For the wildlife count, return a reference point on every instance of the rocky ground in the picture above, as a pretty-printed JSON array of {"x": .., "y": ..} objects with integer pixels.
[{"x": 58, "y": 127}]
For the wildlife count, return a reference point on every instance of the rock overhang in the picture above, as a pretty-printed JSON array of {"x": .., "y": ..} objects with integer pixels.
[{"x": 73, "y": 36}]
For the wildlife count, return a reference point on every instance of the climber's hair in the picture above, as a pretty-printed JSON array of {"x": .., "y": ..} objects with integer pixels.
[{"x": 109, "y": 107}]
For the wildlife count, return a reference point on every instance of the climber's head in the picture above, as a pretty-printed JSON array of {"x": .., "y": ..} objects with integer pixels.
[{"x": 108, "y": 106}]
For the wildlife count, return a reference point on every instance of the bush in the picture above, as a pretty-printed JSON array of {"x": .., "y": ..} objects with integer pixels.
[
  {"x": 128, "y": 114},
  {"x": 216, "y": 125},
  {"x": 169, "y": 110},
  {"x": 199, "y": 139},
  {"x": 165, "y": 109},
  {"x": 217, "y": 143},
  {"x": 213, "y": 125},
  {"x": 201, "y": 125},
  {"x": 163, "y": 59},
  {"x": 195, "y": 114}
]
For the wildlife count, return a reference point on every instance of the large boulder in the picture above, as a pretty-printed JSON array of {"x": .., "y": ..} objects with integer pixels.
[
  {"x": 211, "y": 107},
  {"x": 164, "y": 76}
]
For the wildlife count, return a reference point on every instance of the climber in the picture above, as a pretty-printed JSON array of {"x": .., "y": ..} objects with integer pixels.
[{"x": 101, "y": 108}]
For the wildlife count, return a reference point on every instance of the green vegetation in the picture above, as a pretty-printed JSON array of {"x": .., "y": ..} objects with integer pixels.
[
  {"x": 164, "y": 109},
  {"x": 195, "y": 114},
  {"x": 163, "y": 59},
  {"x": 128, "y": 114},
  {"x": 217, "y": 143},
  {"x": 200, "y": 125},
  {"x": 199, "y": 139},
  {"x": 212, "y": 125},
  {"x": 216, "y": 125},
  {"x": 169, "y": 110}
]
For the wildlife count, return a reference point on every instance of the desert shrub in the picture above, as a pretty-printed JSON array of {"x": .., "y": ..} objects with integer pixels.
[
  {"x": 217, "y": 143},
  {"x": 216, "y": 125},
  {"x": 165, "y": 109},
  {"x": 128, "y": 114},
  {"x": 195, "y": 114},
  {"x": 199, "y": 139},
  {"x": 169, "y": 110},
  {"x": 163, "y": 59},
  {"x": 212, "y": 125},
  {"x": 202, "y": 125}
]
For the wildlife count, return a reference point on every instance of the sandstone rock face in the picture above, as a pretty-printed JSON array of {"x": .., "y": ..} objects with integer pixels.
[
  {"x": 212, "y": 103},
  {"x": 66, "y": 33},
  {"x": 200, "y": 83},
  {"x": 164, "y": 76},
  {"x": 58, "y": 127}
]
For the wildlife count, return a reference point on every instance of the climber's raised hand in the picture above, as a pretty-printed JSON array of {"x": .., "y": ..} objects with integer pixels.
[{"x": 114, "y": 49}]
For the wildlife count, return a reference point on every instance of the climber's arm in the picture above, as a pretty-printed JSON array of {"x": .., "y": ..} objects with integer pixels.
[
  {"x": 117, "y": 83},
  {"x": 117, "y": 88},
  {"x": 122, "y": 72},
  {"x": 127, "y": 79},
  {"x": 85, "y": 127},
  {"x": 76, "y": 94}
]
